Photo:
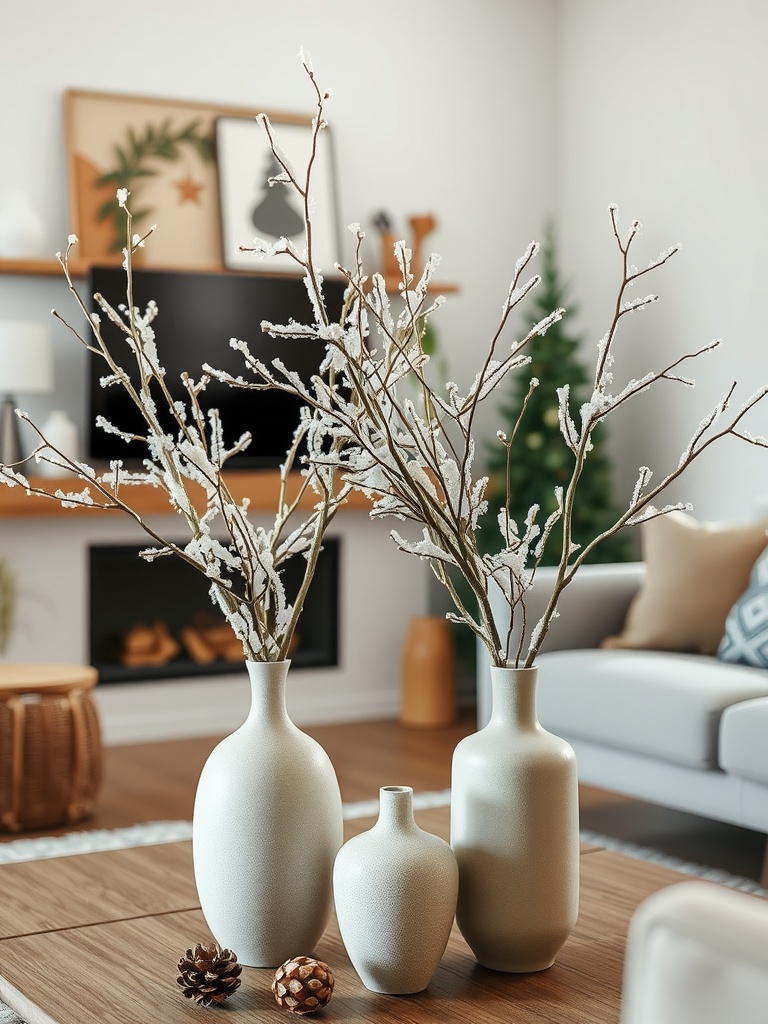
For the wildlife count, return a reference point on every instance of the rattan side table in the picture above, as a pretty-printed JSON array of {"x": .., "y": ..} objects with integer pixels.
[{"x": 50, "y": 745}]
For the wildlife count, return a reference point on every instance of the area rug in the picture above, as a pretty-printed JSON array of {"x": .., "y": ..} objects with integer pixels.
[{"x": 154, "y": 833}]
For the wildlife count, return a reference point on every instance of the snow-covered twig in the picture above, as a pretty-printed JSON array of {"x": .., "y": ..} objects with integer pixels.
[{"x": 415, "y": 460}]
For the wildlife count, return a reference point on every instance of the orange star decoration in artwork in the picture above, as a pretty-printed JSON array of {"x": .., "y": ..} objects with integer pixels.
[{"x": 189, "y": 190}]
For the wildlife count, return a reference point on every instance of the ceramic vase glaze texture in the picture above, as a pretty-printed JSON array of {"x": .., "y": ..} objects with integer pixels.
[
  {"x": 515, "y": 832},
  {"x": 395, "y": 889},
  {"x": 267, "y": 826}
]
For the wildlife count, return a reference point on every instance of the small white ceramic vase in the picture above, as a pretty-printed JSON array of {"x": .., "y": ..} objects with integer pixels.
[
  {"x": 22, "y": 231},
  {"x": 395, "y": 890},
  {"x": 64, "y": 437},
  {"x": 267, "y": 826},
  {"x": 515, "y": 832}
]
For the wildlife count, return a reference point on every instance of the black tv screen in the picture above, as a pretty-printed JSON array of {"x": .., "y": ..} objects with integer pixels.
[{"x": 197, "y": 315}]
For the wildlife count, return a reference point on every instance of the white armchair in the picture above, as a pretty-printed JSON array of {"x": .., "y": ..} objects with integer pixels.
[{"x": 697, "y": 953}]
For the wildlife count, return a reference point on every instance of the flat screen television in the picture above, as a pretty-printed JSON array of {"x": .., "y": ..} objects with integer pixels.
[{"x": 197, "y": 315}]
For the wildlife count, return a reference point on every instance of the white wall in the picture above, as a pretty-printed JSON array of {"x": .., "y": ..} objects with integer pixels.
[
  {"x": 662, "y": 110},
  {"x": 441, "y": 106}
]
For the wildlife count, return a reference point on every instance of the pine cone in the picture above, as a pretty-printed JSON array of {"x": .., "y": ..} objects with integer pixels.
[
  {"x": 303, "y": 985},
  {"x": 208, "y": 974}
]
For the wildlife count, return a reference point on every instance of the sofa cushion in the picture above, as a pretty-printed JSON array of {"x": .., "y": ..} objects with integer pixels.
[
  {"x": 743, "y": 735},
  {"x": 658, "y": 704},
  {"x": 746, "y": 628},
  {"x": 694, "y": 574}
]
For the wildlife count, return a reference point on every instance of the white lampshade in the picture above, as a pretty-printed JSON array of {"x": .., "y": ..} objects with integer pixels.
[{"x": 26, "y": 358}]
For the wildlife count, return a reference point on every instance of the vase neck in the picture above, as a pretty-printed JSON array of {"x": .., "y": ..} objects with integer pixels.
[
  {"x": 268, "y": 690},
  {"x": 396, "y": 808},
  {"x": 514, "y": 697}
]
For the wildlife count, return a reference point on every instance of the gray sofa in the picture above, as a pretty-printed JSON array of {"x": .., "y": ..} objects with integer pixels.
[{"x": 682, "y": 730}]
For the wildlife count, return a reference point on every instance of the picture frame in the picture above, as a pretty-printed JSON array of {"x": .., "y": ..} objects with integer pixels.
[
  {"x": 252, "y": 208},
  {"x": 164, "y": 152}
]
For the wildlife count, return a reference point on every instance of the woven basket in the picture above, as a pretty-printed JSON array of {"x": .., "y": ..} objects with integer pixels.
[{"x": 50, "y": 759}]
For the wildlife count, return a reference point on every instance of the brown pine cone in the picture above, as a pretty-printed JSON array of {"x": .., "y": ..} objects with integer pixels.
[
  {"x": 209, "y": 974},
  {"x": 303, "y": 985}
]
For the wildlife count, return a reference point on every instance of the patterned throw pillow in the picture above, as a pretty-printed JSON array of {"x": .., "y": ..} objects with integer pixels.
[{"x": 746, "y": 628}]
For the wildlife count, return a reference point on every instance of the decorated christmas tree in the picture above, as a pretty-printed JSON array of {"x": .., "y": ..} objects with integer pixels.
[{"x": 542, "y": 461}]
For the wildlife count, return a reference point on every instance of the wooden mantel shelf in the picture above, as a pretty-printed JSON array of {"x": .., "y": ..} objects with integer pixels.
[
  {"x": 79, "y": 269},
  {"x": 261, "y": 486}
]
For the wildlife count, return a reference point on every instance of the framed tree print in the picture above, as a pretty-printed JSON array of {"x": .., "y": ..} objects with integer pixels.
[{"x": 252, "y": 208}]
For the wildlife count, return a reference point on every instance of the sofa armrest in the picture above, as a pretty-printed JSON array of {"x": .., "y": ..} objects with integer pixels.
[
  {"x": 591, "y": 608},
  {"x": 743, "y": 729}
]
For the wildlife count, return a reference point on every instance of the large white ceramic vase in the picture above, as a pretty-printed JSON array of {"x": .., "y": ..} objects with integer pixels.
[
  {"x": 515, "y": 832},
  {"x": 267, "y": 826},
  {"x": 395, "y": 890}
]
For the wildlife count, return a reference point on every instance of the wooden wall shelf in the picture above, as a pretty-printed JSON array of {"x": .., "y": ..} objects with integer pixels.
[
  {"x": 32, "y": 268},
  {"x": 80, "y": 268},
  {"x": 261, "y": 486}
]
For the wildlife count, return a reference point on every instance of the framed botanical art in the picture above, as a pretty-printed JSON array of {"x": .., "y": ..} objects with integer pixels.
[
  {"x": 251, "y": 207},
  {"x": 164, "y": 153}
]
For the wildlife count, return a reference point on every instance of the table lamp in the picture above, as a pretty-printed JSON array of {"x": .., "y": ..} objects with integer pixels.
[{"x": 26, "y": 368}]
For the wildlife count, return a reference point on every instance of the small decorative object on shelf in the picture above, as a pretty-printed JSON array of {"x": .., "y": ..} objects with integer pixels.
[
  {"x": 303, "y": 985},
  {"x": 420, "y": 226},
  {"x": 22, "y": 231},
  {"x": 208, "y": 974},
  {"x": 64, "y": 438},
  {"x": 26, "y": 367}
]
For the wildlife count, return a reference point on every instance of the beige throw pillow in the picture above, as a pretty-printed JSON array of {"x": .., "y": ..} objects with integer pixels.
[{"x": 694, "y": 574}]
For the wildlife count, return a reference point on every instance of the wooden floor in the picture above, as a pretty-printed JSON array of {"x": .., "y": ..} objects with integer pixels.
[{"x": 156, "y": 781}]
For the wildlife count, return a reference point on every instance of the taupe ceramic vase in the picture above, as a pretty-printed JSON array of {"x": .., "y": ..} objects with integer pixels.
[
  {"x": 267, "y": 826},
  {"x": 515, "y": 832},
  {"x": 395, "y": 891}
]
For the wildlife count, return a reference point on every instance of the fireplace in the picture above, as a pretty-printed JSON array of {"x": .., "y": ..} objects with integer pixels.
[{"x": 150, "y": 621}]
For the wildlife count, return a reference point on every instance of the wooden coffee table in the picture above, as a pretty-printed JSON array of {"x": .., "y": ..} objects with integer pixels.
[{"x": 96, "y": 937}]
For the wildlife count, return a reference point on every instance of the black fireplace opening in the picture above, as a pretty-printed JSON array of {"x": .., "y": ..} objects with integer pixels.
[{"x": 155, "y": 620}]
